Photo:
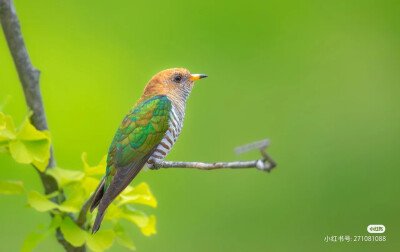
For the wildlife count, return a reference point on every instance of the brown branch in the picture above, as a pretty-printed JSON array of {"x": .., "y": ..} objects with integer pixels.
[
  {"x": 29, "y": 78},
  {"x": 265, "y": 164}
]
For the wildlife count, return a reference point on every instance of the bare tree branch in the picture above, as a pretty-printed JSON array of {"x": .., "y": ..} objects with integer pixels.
[
  {"x": 29, "y": 78},
  {"x": 264, "y": 164}
]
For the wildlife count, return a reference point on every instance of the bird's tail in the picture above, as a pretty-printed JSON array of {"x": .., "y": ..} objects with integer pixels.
[{"x": 98, "y": 195}]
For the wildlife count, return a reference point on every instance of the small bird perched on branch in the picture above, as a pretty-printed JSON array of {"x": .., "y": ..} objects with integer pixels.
[{"x": 146, "y": 134}]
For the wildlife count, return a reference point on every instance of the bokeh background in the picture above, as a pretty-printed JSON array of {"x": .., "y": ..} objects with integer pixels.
[{"x": 319, "y": 78}]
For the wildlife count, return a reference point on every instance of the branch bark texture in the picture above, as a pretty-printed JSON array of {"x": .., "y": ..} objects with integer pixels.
[
  {"x": 29, "y": 77},
  {"x": 264, "y": 164}
]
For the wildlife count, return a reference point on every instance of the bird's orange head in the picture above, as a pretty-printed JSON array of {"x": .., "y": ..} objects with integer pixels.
[{"x": 175, "y": 83}]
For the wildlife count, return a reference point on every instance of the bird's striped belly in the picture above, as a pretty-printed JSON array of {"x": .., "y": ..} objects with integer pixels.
[{"x": 166, "y": 144}]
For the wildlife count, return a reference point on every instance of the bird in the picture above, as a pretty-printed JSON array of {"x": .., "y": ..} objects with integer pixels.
[{"x": 146, "y": 135}]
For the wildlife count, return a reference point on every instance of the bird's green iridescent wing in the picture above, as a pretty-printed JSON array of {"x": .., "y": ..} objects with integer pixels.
[
  {"x": 139, "y": 133},
  {"x": 135, "y": 141}
]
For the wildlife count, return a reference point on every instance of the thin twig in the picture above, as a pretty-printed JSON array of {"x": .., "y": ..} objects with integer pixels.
[
  {"x": 265, "y": 164},
  {"x": 80, "y": 221}
]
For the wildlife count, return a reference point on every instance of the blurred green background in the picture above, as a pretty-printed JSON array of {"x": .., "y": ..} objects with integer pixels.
[{"x": 319, "y": 78}]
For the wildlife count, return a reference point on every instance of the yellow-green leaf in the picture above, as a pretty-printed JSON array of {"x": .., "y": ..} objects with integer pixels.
[
  {"x": 72, "y": 233},
  {"x": 34, "y": 237},
  {"x": 32, "y": 240},
  {"x": 140, "y": 194},
  {"x": 2, "y": 121},
  {"x": 98, "y": 169},
  {"x": 101, "y": 240},
  {"x": 55, "y": 222},
  {"x": 11, "y": 187},
  {"x": 113, "y": 213},
  {"x": 39, "y": 149},
  {"x": 29, "y": 132},
  {"x": 74, "y": 202},
  {"x": 31, "y": 146},
  {"x": 89, "y": 184},
  {"x": 20, "y": 153},
  {"x": 150, "y": 228},
  {"x": 40, "y": 202},
  {"x": 123, "y": 238},
  {"x": 7, "y": 128},
  {"x": 41, "y": 165},
  {"x": 64, "y": 176},
  {"x": 137, "y": 217}
]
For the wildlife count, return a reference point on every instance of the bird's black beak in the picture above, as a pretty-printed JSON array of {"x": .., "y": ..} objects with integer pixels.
[{"x": 195, "y": 77}]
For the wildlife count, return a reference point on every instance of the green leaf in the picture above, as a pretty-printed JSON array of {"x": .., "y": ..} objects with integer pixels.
[
  {"x": 20, "y": 153},
  {"x": 34, "y": 237},
  {"x": 89, "y": 184},
  {"x": 72, "y": 233},
  {"x": 32, "y": 240},
  {"x": 11, "y": 187},
  {"x": 40, "y": 202},
  {"x": 55, "y": 223},
  {"x": 144, "y": 222},
  {"x": 113, "y": 213},
  {"x": 101, "y": 240},
  {"x": 31, "y": 146},
  {"x": 123, "y": 238},
  {"x": 140, "y": 194},
  {"x": 99, "y": 169},
  {"x": 65, "y": 177},
  {"x": 74, "y": 202},
  {"x": 2, "y": 121},
  {"x": 137, "y": 217},
  {"x": 7, "y": 128},
  {"x": 150, "y": 228}
]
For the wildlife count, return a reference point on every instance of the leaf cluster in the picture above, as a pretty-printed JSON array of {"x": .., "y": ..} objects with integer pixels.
[{"x": 27, "y": 145}]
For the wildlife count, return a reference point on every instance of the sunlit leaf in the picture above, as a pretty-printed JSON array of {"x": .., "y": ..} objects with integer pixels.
[
  {"x": 20, "y": 153},
  {"x": 40, "y": 202},
  {"x": 150, "y": 228},
  {"x": 7, "y": 128},
  {"x": 89, "y": 184},
  {"x": 55, "y": 222},
  {"x": 137, "y": 217},
  {"x": 123, "y": 238},
  {"x": 64, "y": 176},
  {"x": 72, "y": 233},
  {"x": 100, "y": 241},
  {"x": 140, "y": 194},
  {"x": 41, "y": 165},
  {"x": 113, "y": 213},
  {"x": 74, "y": 202},
  {"x": 29, "y": 132},
  {"x": 2, "y": 121},
  {"x": 31, "y": 145},
  {"x": 99, "y": 169},
  {"x": 11, "y": 187}
]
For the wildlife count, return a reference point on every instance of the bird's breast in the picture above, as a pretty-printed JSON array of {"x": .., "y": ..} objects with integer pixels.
[{"x": 175, "y": 127}]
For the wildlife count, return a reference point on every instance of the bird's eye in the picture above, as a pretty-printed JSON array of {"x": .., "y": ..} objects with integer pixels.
[{"x": 177, "y": 78}]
